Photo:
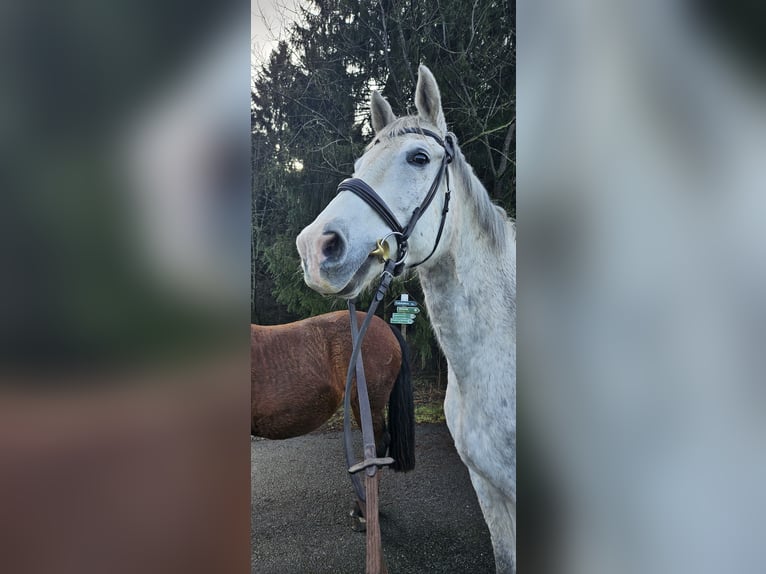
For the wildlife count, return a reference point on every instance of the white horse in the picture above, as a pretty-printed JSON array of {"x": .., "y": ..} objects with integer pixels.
[{"x": 469, "y": 284}]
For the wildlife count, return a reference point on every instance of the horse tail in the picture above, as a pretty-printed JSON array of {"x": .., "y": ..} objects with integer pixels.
[{"x": 401, "y": 414}]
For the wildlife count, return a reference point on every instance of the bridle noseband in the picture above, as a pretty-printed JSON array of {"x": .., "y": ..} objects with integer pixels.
[{"x": 400, "y": 232}]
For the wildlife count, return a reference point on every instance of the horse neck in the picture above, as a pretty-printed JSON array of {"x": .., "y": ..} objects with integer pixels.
[{"x": 470, "y": 291}]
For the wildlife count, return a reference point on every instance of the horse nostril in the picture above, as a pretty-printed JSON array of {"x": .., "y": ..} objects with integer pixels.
[{"x": 333, "y": 246}]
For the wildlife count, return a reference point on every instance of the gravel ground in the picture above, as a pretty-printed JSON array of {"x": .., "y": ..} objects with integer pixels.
[{"x": 301, "y": 496}]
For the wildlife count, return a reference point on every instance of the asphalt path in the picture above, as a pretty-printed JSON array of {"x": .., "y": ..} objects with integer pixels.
[{"x": 301, "y": 496}]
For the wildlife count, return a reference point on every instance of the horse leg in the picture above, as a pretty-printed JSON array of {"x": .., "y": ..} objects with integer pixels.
[
  {"x": 379, "y": 429},
  {"x": 356, "y": 516},
  {"x": 382, "y": 437},
  {"x": 500, "y": 516}
]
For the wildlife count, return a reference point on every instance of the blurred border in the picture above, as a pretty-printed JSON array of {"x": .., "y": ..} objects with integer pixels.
[
  {"x": 124, "y": 362},
  {"x": 642, "y": 241}
]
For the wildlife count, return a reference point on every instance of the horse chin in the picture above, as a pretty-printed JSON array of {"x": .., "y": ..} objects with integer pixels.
[
  {"x": 351, "y": 291},
  {"x": 351, "y": 287},
  {"x": 361, "y": 280}
]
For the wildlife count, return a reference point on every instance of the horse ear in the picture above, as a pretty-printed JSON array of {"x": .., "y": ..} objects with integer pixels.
[
  {"x": 382, "y": 114},
  {"x": 428, "y": 101}
]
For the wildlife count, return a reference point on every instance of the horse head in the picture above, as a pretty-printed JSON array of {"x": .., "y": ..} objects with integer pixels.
[{"x": 396, "y": 207}]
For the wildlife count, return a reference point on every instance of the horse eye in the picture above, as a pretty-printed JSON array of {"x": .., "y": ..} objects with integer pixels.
[{"x": 418, "y": 158}]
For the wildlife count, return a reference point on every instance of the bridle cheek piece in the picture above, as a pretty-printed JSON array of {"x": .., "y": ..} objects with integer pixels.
[{"x": 402, "y": 233}]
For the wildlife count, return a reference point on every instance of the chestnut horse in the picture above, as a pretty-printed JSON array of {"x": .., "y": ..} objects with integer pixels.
[{"x": 298, "y": 377}]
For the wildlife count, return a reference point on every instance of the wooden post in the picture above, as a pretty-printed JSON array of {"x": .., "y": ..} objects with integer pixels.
[
  {"x": 405, "y": 297},
  {"x": 375, "y": 562}
]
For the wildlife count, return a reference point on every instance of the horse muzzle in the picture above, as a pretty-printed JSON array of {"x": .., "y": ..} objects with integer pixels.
[{"x": 330, "y": 265}]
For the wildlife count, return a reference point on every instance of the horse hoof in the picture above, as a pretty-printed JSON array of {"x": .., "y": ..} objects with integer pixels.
[{"x": 358, "y": 522}]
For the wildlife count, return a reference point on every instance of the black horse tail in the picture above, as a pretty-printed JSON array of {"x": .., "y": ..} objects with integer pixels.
[{"x": 401, "y": 414}]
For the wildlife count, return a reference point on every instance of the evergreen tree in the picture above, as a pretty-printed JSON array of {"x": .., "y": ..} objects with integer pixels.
[{"x": 310, "y": 120}]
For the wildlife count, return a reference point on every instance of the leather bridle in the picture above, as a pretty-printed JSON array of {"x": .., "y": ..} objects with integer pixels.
[
  {"x": 391, "y": 268},
  {"x": 402, "y": 232}
]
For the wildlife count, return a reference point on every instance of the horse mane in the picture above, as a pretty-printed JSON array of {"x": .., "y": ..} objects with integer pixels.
[{"x": 491, "y": 217}]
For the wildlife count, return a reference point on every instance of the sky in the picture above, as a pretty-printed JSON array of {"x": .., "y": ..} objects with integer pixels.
[{"x": 268, "y": 19}]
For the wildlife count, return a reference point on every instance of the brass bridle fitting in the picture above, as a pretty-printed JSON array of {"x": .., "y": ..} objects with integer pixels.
[{"x": 381, "y": 251}]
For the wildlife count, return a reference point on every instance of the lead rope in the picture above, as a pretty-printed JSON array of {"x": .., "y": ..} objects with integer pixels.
[
  {"x": 374, "y": 562},
  {"x": 355, "y": 365},
  {"x": 390, "y": 269}
]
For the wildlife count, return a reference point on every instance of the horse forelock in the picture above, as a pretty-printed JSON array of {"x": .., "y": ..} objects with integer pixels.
[
  {"x": 492, "y": 218},
  {"x": 396, "y": 128}
]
